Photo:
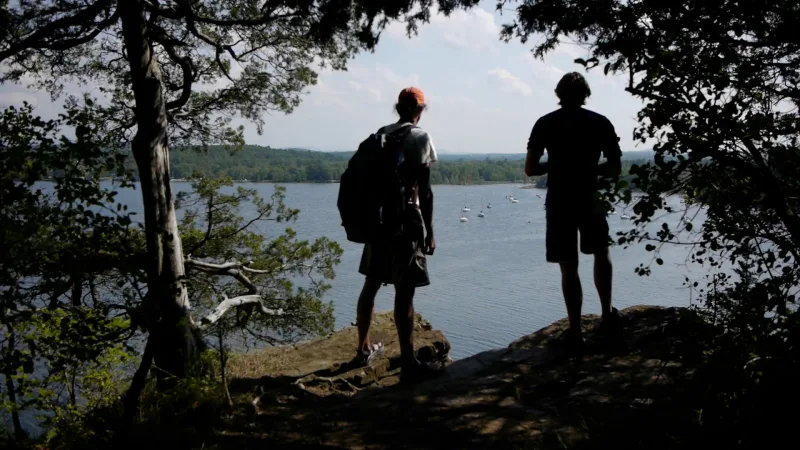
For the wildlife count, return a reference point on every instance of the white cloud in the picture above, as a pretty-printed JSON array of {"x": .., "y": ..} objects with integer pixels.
[
  {"x": 459, "y": 100},
  {"x": 459, "y": 103},
  {"x": 323, "y": 94},
  {"x": 571, "y": 50},
  {"x": 397, "y": 31},
  {"x": 373, "y": 94},
  {"x": 361, "y": 86},
  {"x": 357, "y": 71},
  {"x": 542, "y": 70},
  {"x": 475, "y": 29},
  {"x": 393, "y": 80},
  {"x": 509, "y": 82},
  {"x": 15, "y": 98}
]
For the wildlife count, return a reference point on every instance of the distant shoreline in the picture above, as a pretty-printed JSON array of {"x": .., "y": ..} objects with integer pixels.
[
  {"x": 526, "y": 184},
  {"x": 483, "y": 183}
]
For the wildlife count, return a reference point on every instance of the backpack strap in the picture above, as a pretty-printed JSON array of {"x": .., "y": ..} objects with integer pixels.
[
  {"x": 400, "y": 133},
  {"x": 403, "y": 130}
]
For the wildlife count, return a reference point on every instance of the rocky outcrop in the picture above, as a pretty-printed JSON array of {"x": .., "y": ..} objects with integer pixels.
[
  {"x": 626, "y": 392},
  {"x": 326, "y": 366}
]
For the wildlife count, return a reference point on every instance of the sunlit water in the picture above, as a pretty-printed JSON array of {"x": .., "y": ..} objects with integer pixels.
[{"x": 490, "y": 283}]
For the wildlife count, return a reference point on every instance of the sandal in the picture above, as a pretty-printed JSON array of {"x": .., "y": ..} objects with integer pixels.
[{"x": 368, "y": 355}]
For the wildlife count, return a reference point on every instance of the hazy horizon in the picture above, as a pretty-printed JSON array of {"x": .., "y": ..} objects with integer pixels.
[{"x": 442, "y": 151}]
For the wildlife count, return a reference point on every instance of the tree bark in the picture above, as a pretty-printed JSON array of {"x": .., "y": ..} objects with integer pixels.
[
  {"x": 11, "y": 391},
  {"x": 177, "y": 347},
  {"x": 77, "y": 289},
  {"x": 131, "y": 401}
]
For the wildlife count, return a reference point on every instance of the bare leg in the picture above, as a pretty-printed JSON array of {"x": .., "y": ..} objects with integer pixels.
[
  {"x": 602, "y": 279},
  {"x": 366, "y": 303},
  {"x": 404, "y": 320},
  {"x": 573, "y": 293}
]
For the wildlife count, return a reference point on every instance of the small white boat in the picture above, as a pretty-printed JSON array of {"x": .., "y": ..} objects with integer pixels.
[
  {"x": 538, "y": 196},
  {"x": 463, "y": 219},
  {"x": 465, "y": 209},
  {"x": 481, "y": 214},
  {"x": 612, "y": 212},
  {"x": 489, "y": 206},
  {"x": 513, "y": 200},
  {"x": 625, "y": 216}
]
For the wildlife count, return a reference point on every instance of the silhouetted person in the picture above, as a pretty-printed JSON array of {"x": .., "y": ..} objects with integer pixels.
[
  {"x": 402, "y": 262},
  {"x": 574, "y": 138}
]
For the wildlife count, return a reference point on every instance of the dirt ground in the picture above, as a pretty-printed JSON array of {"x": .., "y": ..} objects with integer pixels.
[{"x": 631, "y": 391}]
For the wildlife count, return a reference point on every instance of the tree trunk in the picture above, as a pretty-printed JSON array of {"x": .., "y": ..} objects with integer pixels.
[
  {"x": 77, "y": 289},
  {"x": 177, "y": 348},
  {"x": 131, "y": 401},
  {"x": 11, "y": 390}
]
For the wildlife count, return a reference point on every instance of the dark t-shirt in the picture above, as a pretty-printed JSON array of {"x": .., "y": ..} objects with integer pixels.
[{"x": 574, "y": 139}]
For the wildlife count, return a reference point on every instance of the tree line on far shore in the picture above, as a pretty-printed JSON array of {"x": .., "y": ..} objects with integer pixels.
[{"x": 256, "y": 163}]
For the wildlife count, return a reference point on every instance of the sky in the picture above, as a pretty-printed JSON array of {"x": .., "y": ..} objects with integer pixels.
[{"x": 483, "y": 95}]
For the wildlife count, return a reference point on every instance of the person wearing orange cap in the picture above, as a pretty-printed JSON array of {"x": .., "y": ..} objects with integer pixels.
[
  {"x": 574, "y": 138},
  {"x": 404, "y": 265}
]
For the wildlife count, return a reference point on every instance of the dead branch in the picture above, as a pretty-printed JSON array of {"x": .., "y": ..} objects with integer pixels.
[
  {"x": 237, "y": 271},
  {"x": 221, "y": 269},
  {"x": 235, "y": 302}
]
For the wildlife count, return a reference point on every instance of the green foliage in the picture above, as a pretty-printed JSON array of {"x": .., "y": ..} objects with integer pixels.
[
  {"x": 289, "y": 274},
  {"x": 184, "y": 416},
  {"x": 72, "y": 282},
  {"x": 59, "y": 338},
  {"x": 720, "y": 86}
]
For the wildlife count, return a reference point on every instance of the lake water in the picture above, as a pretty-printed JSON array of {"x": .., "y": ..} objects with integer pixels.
[{"x": 490, "y": 283}]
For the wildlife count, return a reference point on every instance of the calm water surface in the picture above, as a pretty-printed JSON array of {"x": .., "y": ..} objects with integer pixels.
[{"x": 490, "y": 283}]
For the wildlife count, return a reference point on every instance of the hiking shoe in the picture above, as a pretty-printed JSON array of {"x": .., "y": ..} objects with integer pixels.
[
  {"x": 419, "y": 372},
  {"x": 613, "y": 322},
  {"x": 570, "y": 342}
]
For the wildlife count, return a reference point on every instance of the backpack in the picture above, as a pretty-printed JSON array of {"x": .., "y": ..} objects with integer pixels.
[{"x": 372, "y": 196}]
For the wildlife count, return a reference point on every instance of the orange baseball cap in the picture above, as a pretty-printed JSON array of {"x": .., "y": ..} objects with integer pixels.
[{"x": 411, "y": 95}]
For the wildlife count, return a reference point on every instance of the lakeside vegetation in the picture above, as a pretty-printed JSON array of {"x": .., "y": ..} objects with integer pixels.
[{"x": 257, "y": 163}]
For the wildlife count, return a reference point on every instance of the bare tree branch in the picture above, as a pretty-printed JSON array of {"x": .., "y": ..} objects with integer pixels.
[
  {"x": 221, "y": 269},
  {"x": 230, "y": 303},
  {"x": 186, "y": 68},
  {"x": 67, "y": 44},
  {"x": 235, "y": 270},
  {"x": 218, "y": 46}
]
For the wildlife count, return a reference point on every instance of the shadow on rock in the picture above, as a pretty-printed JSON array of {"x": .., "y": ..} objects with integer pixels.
[{"x": 628, "y": 392}]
